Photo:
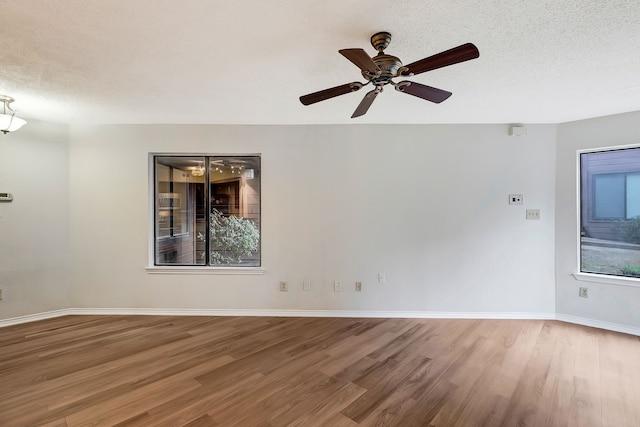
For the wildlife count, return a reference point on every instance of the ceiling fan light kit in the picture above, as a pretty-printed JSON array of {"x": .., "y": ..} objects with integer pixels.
[
  {"x": 8, "y": 120},
  {"x": 382, "y": 68}
]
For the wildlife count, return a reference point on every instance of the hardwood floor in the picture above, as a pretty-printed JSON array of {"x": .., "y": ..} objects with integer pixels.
[{"x": 255, "y": 371}]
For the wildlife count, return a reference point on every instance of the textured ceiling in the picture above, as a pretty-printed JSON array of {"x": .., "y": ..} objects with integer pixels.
[{"x": 247, "y": 62}]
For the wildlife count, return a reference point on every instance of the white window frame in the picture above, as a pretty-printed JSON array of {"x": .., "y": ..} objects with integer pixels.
[
  {"x": 186, "y": 269},
  {"x": 595, "y": 277}
]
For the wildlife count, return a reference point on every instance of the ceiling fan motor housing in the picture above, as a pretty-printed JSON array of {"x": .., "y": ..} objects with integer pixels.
[{"x": 389, "y": 66}]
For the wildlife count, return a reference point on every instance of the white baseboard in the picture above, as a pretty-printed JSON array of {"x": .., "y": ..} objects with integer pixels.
[
  {"x": 272, "y": 313},
  {"x": 311, "y": 313},
  {"x": 616, "y": 327},
  {"x": 34, "y": 317},
  {"x": 321, "y": 313}
]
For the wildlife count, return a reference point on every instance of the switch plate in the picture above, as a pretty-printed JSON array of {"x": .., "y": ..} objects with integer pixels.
[
  {"x": 515, "y": 199},
  {"x": 337, "y": 286},
  {"x": 533, "y": 213},
  {"x": 358, "y": 286},
  {"x": 381, "y": 278}
]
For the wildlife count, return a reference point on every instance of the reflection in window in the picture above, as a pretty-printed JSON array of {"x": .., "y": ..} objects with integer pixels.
[{"x": 207, "y": 210}]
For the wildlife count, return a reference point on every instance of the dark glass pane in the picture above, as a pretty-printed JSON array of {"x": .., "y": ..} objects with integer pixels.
[
  {"x": 234, "y": 223},
  {"x": 179, "y": 211}
]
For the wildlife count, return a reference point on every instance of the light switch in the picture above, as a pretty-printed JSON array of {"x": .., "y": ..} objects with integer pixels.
[{"x": 533, "y": 213}]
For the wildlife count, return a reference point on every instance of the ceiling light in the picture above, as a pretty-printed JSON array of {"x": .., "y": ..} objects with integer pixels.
[
  {"x": 8, "y": 120},
  {"x": 197, "y": 171}
]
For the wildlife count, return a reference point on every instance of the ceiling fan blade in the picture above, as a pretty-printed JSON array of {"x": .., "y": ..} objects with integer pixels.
[
  {"x": 456, "y": 55},
  {"x": 312, "y": 98},
  {"x": 365, "y": 103},
  {"x": 360, "y": 58},
  {"x": 422, "y": 91}
]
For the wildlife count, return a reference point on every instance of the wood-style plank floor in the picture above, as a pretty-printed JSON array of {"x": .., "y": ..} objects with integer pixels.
[{"x": 259, "y": 371}]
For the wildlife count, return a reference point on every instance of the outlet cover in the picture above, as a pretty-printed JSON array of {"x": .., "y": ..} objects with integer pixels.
[
  {"x": 584, "y": 293},
  {"x": 283, "y": 287},
  {"x": 306, "y": 285},
  {"x": 515, "y": 199},
  {"x": 337, "y": 286},
  {"x": 358, "y": 286}
]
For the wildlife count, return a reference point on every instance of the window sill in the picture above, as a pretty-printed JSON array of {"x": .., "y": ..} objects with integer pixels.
[
  {"x": 205, "y": 270},
  {"x": 611, "y": 280}
]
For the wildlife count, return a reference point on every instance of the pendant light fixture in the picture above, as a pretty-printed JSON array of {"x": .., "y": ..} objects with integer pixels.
[{"x": 8, "y": 120}]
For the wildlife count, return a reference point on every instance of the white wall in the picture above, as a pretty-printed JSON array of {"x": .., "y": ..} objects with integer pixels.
[
  {"x": 34, "y": 228},
  {"x": 427, "y": 205},
  {"x": 606, "y": 302}
]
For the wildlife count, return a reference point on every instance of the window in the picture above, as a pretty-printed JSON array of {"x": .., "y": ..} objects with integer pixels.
[
  {"x": 610, "y": 212},
  {"x": 615, "y": 195},
  {"x": 206, "y": 210}
]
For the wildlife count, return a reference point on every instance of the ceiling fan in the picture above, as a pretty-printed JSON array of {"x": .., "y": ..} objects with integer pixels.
[{"x": 380, "y": 69}]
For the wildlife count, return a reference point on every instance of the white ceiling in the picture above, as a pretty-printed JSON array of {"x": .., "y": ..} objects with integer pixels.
[{"x": 247, "y": 62}]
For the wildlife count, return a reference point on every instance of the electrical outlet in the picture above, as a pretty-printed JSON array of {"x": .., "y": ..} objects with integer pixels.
[
  {"x": 283, "y": 287},
  {"x": 381, "y": 278},
  {"x": 0, "y": 294},
  {"x": 584, "y": 293},
  {"x": 337, "y": 286},
  {"x": 515, "y": 199},
  {"x": 358, "y": 286},
  {"x": 306, "y": 285},
  {"x": 533, "y": 213}
]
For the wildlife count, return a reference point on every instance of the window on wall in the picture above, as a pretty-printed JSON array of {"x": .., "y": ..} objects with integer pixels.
[
  {"x": 610, "y": 212},
  {"x": 207, "y": 211}
]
